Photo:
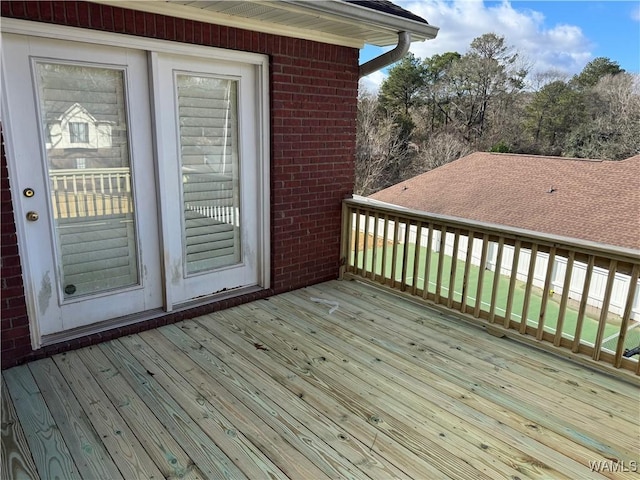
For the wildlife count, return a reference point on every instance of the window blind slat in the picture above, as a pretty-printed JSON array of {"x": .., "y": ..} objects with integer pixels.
[
  {"x": 207, "y": 109},
  {"x": 84, "y": 117}
]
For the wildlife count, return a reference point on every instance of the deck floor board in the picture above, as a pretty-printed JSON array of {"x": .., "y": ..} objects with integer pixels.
[{"x": 284, "y": 388}]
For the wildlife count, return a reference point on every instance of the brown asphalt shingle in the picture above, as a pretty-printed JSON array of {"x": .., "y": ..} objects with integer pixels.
[{"x": 591, "y": 199}]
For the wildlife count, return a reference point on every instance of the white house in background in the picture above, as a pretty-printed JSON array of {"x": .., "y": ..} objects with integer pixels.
[{"x": 77, "y": 128}]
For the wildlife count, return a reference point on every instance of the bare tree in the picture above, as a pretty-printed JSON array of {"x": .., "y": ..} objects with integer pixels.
[
  {"x": 442, "y": 148},
  {"x": 378, "y": 145},
  {"x": 612, "y": 130}
]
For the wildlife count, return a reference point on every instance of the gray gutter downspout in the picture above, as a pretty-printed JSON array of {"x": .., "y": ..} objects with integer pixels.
[{"x": 378, "y": 63}]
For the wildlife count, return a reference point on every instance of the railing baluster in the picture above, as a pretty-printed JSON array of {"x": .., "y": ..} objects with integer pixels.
[
  {"x": 118, "y": 183},
  {"x": 102, "y": 195},
  {"x": 405, "y": 256},
  {"x": 75, "y": 195},
  {"x": 562, "y": 309},
  {"x": 374, "y": 254},
  {"x": 545, "y": 292},
  {"x": 111, "y": 195},
  {"x": 427, "y": 261},
  {"x": 385, "y": 246},
  {"x": 416, "y": 259},
  {"x": 626, "y": 316},
  {"x": 366, "y": 243},
  {"x": 583, "y": 304},
  {"x": 454, "y": 266},
  {"x": 362, "y": 241},
  {"x": 443, "y": 245},
  {"x": 496, "y": 280},
  {"x": 467, "y": 268},
  {"x": 604, "y": 312},
  {"x": 566, "y": 286},
  {"x": 483, "y": 263},
  {"x": 394, "y": 251},
  {"x": 527, "y": 289},
  {"x": 512, "y": 283},
  {"x": 94, "y": 196}
]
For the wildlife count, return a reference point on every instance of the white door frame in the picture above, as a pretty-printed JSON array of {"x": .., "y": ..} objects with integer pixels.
[{"x": 257, "y": 61}]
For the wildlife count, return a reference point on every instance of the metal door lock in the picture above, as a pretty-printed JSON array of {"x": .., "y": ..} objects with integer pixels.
[
  {"x": 32, "y": 216},
  {"x": 28, "y": 192}
]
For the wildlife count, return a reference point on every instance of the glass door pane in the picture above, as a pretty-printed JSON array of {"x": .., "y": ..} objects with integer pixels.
[
  {"x": 84, "y": 119},
  {"x": 208, "y": 138}
]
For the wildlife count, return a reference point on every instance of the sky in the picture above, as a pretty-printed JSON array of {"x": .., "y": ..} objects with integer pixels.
[{"x": 559, "y": 35}]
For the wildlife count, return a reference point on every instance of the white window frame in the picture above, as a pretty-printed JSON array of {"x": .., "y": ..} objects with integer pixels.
[
  {"x": 151, "y": 46},
  {"x": 78, "y": 132}
]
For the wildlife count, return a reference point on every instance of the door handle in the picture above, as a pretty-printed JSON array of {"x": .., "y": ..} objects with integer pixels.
[{"x": 32, "y": 216}]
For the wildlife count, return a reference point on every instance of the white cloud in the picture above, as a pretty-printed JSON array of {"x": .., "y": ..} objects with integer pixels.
[
  {"x": 372, "y": 81},
  {"x": 560, "y": 47}
]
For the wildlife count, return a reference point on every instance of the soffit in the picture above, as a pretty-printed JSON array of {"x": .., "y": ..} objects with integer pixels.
[{"x": 329, "y": 21}]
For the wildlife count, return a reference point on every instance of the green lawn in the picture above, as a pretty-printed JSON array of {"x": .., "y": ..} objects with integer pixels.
[{"x": 589, "y": 326}]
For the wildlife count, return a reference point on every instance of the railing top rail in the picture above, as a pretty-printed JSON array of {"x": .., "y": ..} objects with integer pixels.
[
  {"x": 585, "y": 246},
  {"x": 88, "y": 171}
]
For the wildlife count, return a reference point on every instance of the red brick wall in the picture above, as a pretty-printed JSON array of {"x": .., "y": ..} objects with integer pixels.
[
  {"x": 14, "y": 322},
  {"x": 313, "y": 113}
]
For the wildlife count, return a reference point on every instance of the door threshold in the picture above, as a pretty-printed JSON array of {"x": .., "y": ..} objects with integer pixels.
[{"x": 147, "y": 315}]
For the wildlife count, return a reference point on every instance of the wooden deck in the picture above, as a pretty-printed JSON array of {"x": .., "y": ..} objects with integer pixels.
[{"x": 381, "y": 388}]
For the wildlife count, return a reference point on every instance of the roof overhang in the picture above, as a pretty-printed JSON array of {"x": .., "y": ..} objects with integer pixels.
[{"x": 328, "y": 21}]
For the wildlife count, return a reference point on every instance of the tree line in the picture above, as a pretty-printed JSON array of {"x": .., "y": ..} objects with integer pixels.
[{"x": 432, "y": 111}]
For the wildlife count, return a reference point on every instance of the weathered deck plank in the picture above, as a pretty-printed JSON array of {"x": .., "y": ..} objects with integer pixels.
[
  {"x": 206, "y": 455},
  {"x": 46, "y": 444},
  {"x": 523, "y": 359},
  {"x": 17, "y": 462},
  {"x": 203, "y": 407},
  {"x": 84, "y": 444},
  {"x": 470, "y": 430},
  {"x": 282, "y": 389},
  {"x": 359, "y": 428},
  {"x": 294, "y": 432},
  {"x": 330, "y": 369},
  {"x": 566, "y": 415},
  {"x": 164, "y": 450},
  {"x": 118, "y": 438},
  {"x": 327, "y": 431}
]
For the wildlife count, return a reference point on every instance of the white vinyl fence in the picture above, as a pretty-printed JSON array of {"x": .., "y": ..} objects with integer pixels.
[{"x": 598, "y": 278}]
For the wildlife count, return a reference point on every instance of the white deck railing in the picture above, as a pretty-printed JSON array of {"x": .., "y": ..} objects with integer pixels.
[
  {"x": 91, "y": 192},
  {"x": 576, "y": 296}
]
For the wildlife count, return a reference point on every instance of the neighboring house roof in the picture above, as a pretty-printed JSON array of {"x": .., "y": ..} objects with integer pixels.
[
  {"x": 343, "y": 22},
  {"x": 587, "y": 199},
  {"x": 388, "y": 7}
]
